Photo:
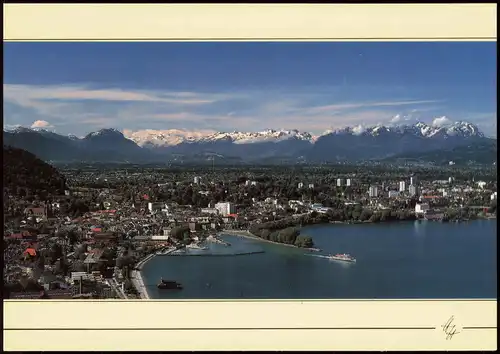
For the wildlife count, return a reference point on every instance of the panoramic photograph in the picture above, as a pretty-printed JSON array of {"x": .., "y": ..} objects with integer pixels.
[{"x": 250, "y": 170}]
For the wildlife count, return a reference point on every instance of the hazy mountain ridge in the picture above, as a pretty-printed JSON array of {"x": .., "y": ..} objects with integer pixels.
[
  {"x": 104, "y": 145},
  {"x": 350, "y": 143},
  {"x": 381, "y": 141}
]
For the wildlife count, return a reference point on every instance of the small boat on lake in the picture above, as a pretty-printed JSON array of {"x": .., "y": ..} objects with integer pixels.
[
  {"x": 169, "y": 285},
  {"x": 344, "y": 257}
]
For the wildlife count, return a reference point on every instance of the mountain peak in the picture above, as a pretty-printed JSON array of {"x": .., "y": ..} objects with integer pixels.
[{"x": 106, "y": 132}]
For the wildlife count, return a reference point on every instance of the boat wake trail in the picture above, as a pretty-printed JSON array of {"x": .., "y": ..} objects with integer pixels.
[{"x": 315, "y": 255}]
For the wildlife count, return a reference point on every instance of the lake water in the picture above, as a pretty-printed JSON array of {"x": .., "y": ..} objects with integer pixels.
[{"x": 420, "y": 259}]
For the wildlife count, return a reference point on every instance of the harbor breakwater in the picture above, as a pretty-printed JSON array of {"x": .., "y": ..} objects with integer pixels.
[
  {"x": 249, "y": 235},
  {"x": 207, "y": 254}
]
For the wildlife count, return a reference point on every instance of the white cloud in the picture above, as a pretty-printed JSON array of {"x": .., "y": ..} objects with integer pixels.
[
  {"x": 345, "y": 106},
  {"x": 396, "y": 119},
  {"x": 359, "y": 129},
  {"x": 31, "y": 95},
  {"x": 41, "y": 124},
  {"x": 403, "y": 118},
  {"x": 441, "y": 122}
]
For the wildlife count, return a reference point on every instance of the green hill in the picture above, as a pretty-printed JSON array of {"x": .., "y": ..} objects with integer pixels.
[{"x": 25, "y": 174}]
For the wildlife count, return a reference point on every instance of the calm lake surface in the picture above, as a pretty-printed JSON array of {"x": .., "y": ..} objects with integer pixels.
[{"x": 419, "y": 259}]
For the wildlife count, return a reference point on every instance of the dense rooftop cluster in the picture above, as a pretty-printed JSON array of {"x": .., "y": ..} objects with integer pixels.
[{"x": 85, "y": 230}]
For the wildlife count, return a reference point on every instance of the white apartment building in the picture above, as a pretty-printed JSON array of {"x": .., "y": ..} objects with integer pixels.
[
  {"x": 300, "y": 185},
  {"x": 348, "y": 182},
  {"x": 373, "y": 191},
  {"x": 225, "y": 208},
  {"x": 339, "y": 182},
  {"x": 197, "y": 180},
  {"x": 402, "y": 186},
  {"x": 413, "y": 190}
]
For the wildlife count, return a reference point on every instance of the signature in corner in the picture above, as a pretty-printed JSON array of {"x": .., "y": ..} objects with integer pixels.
[{"x": 449, "y": 328}]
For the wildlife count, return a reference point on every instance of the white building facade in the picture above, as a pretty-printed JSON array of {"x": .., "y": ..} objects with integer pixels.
[
  {"x": 156, "y": 206},
  {"x": 225, "y": 208},
  {"x": 421, "y": 208},
  {"x": 413, "y": 190}
]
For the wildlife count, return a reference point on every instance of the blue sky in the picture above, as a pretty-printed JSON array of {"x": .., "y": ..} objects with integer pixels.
[{"x": 247, "y": 86}]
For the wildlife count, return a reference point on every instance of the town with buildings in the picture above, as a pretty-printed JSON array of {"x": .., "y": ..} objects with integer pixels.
[{"x": 91, "y": 240}]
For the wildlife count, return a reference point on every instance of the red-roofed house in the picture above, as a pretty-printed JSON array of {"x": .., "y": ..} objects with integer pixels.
[{"x": 30, "y": 252}]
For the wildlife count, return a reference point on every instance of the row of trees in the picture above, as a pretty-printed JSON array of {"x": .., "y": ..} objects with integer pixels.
[
  {"x": 286, "y": 231},
  {"x": 366, "y": 215},
  {"x": 290, "y": 235},
  {"x": 352, "y": 214}
]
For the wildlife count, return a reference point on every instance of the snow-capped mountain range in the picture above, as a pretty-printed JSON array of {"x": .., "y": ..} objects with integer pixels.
[
  {"x": 420, "y": 129},
  {"x": 350, "y": 143},
  {"x": 174, "y": 137}
]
